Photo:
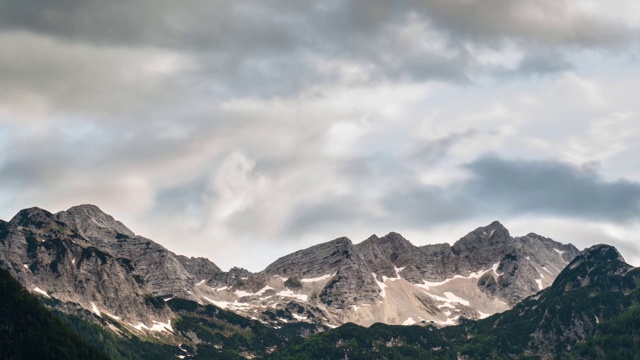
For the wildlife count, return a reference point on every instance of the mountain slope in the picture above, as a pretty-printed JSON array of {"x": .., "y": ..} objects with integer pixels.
[
  {"x": 574, "y": 318},
  {"x": 596, "y": 286},
  {"x": 390, "y": 280},
  {"x": 29, "y": 331},
  {"x": 92, "y": 265}
]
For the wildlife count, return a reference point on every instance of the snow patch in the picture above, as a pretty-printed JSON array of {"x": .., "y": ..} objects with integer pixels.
[
  {"x": 381, "y": 285},
  {"x": 477, "y": 274},
  {"x": 201, "y": 282},
  {"x": 446, "y": 305},
  {"x": 450, "y": 298},
  {"x": 240, "y": 293},
  {"x": 539, "y": 282},
  {"x": 289, "y": 293},
  {"x": 220, "y": 304},
  {"x": 298, "y": 317},
  {"x": 483, "y": 315},
  {"x": 226, "y": 304},
  {"x": 474, "y": 275},
  {"x": 41, "y": 292},
  {"x": 319, "y": 278},
  {"x": 450, "y": 321},
  {"x": 95, "y": 309},
  {"x": 156, "y": 326},
  {"x": 261, "y": 291},
  {"x": 427, "y": 284},
  {"x": 221, "y": 288},
  {"x": 560, "y": 252},
  {"x": 495, "y": 268},
  {"x": 112, "y": 316},
  {"x": 397, "y": 270},
  {"x": 167, "y": 299},
  {"x": 409, "y": 321}
]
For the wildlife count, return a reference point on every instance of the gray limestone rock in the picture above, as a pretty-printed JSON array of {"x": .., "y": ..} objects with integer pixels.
[{"x": 88, "y": 260}]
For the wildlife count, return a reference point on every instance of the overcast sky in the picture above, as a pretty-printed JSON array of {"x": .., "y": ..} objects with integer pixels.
[{"x": 242, "y": 131}]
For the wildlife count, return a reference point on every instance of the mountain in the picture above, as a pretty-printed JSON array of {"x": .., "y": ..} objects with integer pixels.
[
  {"x": 87, "y": 261},
  {"x": 503, "y": 296},
  {"x": 29, "y": 331},
  {"x": 590, "y": 311},
  {"x": 388, "y": 279}
]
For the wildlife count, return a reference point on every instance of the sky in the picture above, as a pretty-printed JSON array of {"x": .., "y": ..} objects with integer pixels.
[{"x": 245, "y": 130}]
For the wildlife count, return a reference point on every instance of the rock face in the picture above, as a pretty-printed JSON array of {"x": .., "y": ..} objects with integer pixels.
[
  {"x": 589, "y": 312},
  {"x": 597, "y": 286},
  {"x": 388, "y": 279},
  {"x": 88, "y": 261}
]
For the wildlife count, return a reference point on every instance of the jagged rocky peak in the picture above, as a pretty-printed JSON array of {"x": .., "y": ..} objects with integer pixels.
[
  {"x": 92, "y": 222},
  {"x": 199, "y": 267},
  {"x": 38, "y": 222},
  {"x": 390, "y": 244},
  {"x": 315, "y": 261},
  {"x": 32, "y": 217},
  {"x": 492, "y": 233},
  {"x": 481, "y": 246}
]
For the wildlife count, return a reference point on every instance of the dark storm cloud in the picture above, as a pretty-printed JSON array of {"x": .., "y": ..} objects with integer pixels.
[
  {"x": 500, "y": 187},
  {"x": 541, "y": 22},
  {"x": 279, "y": 47},
  {"x": 550, "y": 188}
]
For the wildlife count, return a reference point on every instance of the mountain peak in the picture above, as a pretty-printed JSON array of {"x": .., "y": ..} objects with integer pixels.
[
  {"x": 597, "y": 262},
  {"x": 491, "y": 234},
  {"x": 85, "y": 208},
  {"x": 31, "y": 216},
  {"x": 496, "y": 225},
  {"x": 90, "y": 220},
  {"x": 602, "y": 252}
]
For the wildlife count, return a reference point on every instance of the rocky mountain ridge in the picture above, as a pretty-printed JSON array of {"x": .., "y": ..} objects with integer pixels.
[
  {"x": 89, "y": 262},
  {"x": 589, "y": 312}
]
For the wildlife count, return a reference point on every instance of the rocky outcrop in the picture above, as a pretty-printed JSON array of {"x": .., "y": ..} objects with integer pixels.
[
  {"x": 86, "y": 259},
  {"x": 54, "y": 260}
]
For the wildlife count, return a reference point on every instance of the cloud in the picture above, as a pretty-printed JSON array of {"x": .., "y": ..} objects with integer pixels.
[
  {"x": 218, "y": 126},
  {"x": 550, "y": 187},
  {"x": 94, "y": 55}
]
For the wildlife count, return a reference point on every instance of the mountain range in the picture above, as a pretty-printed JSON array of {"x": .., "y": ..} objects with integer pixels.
[{"x": 98, "y": 274}]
